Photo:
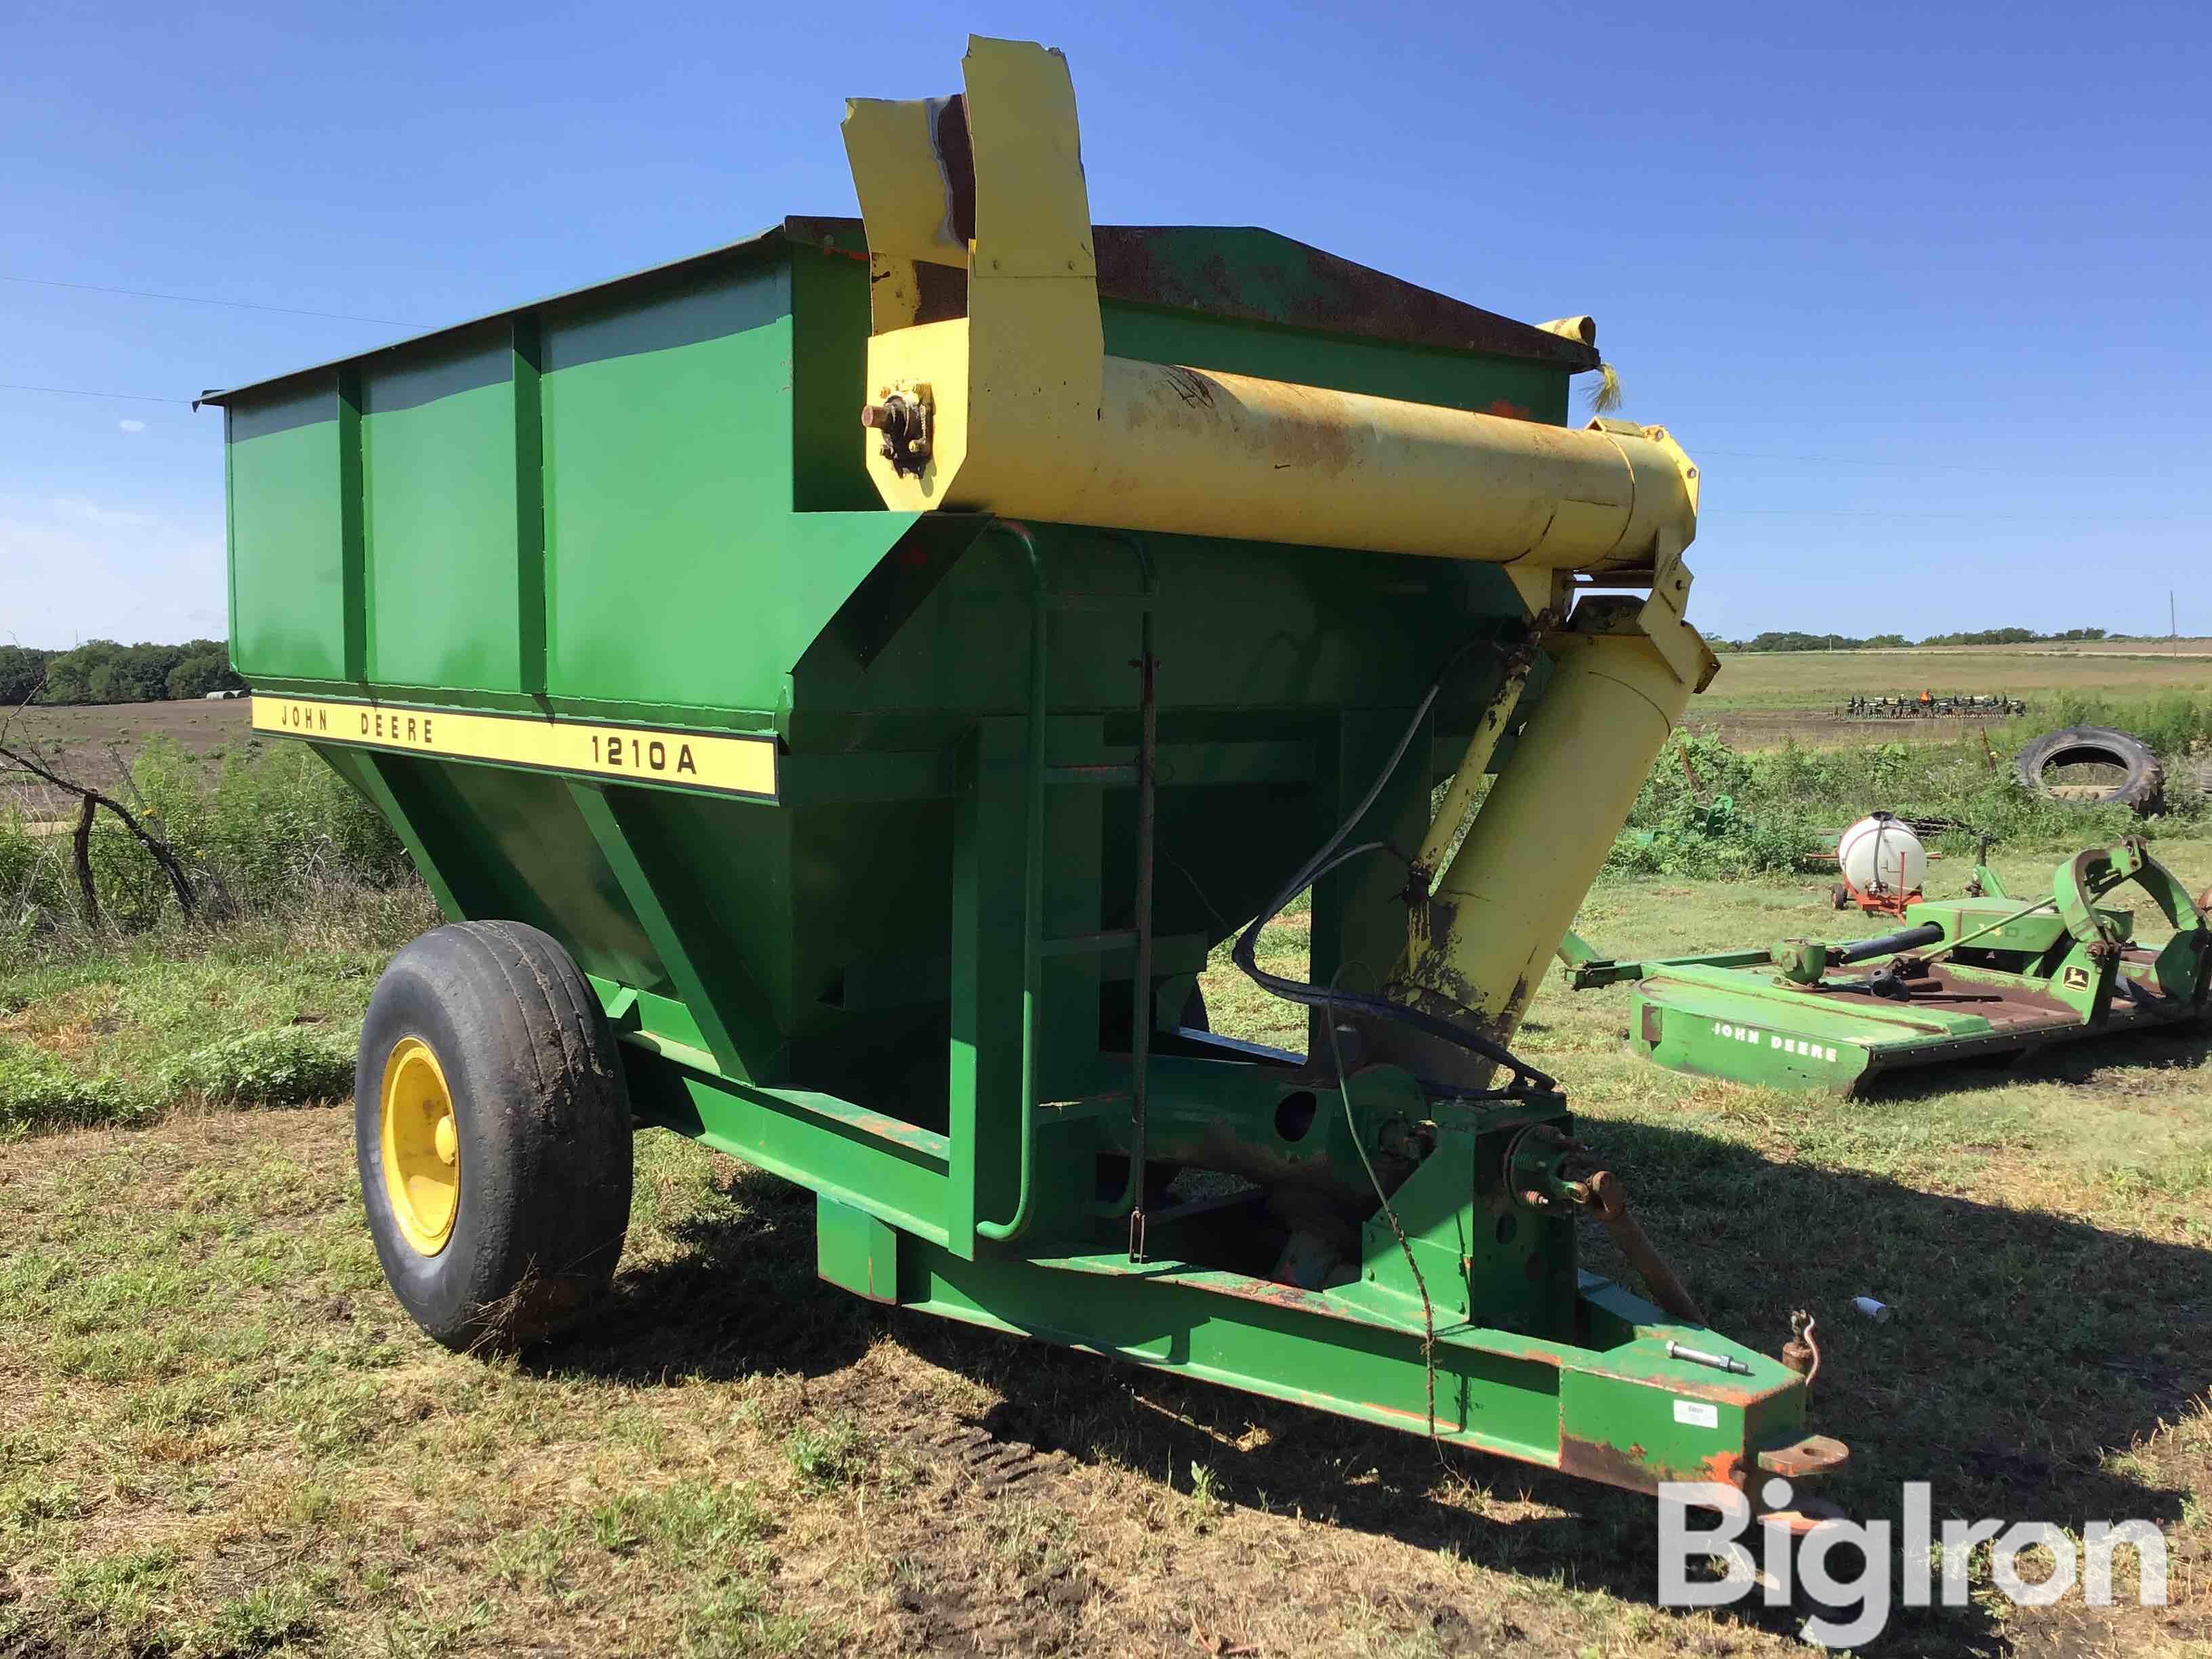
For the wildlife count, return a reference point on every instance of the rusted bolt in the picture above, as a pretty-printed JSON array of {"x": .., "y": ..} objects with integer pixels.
[
  {"x": 1801, "y": 1353},
  {"x": 904, "y": 425}
]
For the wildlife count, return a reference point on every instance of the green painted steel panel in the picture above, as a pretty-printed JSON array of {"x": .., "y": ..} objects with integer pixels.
[
  {"x": 509, "y": 843},
  {"x": 1240, "y": 627},
  {"x": 829, "y": 384},
  {"x": 677, "y": 573},
  {"x": 286, "y": 534},
  {"x": 1287, "y": 1345},
  {"x": 854, "y": 1251},
  {"x": 667, "y": 472},
  {"x": 439, "y": 476},
  {"x": 900, "y": 1183}
]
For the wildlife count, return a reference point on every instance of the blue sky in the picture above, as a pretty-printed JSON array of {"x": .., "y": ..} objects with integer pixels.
[{"x": 1922, "y": 288}]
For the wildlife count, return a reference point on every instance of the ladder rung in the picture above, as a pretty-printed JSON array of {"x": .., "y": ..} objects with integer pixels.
[{"x": 1079, "y": 944}]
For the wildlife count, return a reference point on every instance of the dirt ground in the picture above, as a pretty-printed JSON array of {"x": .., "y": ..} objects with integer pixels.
[
  {"x": 95, "y": 743},
  {"x": 1768, "y": 728}
]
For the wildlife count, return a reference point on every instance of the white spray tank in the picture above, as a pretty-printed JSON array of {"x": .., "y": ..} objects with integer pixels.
[{"x": 1881, "y": 854}]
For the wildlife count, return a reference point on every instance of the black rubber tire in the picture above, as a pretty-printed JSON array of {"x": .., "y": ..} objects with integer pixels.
[
  {"x": 2144, "y": 787},
  {"x": 542, "y": 1119},
  {"x": 1840, "y": 896}
]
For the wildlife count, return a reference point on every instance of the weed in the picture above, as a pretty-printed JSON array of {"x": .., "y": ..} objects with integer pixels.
[
  {"x": 118, "y": 1596},
  {"x": 279, "y": 1065},
  {"x": 828, "y": 1456},
  {"x": 733, "y": 1623},
  {"x": 31, "y": 1501},
  {"x": 266, "y": 1619},
  {"x": 39, "y": 1092},
  {"x": 1205, "y": 1485},
  {"x": 691, "y": 1517},
  {"x": 535, "y": 1559}
]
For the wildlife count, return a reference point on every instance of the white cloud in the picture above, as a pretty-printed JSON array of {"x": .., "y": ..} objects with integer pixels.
[
  {"x": 76, "y": 569},
  {"x": 76, "y": 508},
  {"x": 132, "y": 426}
]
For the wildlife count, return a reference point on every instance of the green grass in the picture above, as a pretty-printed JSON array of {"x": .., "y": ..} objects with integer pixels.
[
  {"x": 218, "y": 1435},
  {"x": 252, "y": 828},
  {"x": 263, "y": 1011},
  {"x": 2040, "y": 674}
]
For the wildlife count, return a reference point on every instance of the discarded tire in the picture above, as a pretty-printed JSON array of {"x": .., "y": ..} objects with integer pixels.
[{"x": 2142, "y": 787}]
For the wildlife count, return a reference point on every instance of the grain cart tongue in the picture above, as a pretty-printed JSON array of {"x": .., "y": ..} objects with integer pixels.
[
  {"x": 1962, "y": 979},
  {"x": 845, "y": 684}
]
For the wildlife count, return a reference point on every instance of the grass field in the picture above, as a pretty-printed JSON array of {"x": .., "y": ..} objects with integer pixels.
[
  {"x": 1812, "y": 679},
  {"x": 218, "y": 1435},
  {"x": 1760, "y": 698}
]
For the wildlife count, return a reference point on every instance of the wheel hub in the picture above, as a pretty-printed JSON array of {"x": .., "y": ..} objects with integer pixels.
[{"x": 421, "y": 1146}]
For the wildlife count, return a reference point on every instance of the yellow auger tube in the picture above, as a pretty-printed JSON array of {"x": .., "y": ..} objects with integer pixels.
[
  {"x": 1202, "y": 452},
  {"x": 1541, "y": 836},
  {"x": 1015, "y": 408}
]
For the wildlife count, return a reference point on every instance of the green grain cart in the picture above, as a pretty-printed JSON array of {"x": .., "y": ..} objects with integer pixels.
[{"x": 841, "y": 687}]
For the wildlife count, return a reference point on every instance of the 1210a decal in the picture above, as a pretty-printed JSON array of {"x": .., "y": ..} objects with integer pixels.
[{"x": 642, "y": 754}]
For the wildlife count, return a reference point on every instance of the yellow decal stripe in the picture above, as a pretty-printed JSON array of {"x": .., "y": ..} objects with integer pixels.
[{"x": 692, "y": 760}]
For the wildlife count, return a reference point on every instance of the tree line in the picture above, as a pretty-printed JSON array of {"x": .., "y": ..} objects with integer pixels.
[
  {"x": 107, "y": 671},
  {"x": 1789, "y": 640}
]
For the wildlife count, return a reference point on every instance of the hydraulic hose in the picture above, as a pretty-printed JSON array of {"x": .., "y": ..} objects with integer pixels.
[
  {"x": 1882, "y": 944},
  {"x": 1525, "y": 1079}
]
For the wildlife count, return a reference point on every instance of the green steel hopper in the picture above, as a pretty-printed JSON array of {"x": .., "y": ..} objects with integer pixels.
[
  {"x": 841, "y": 687},
  {"x": 1990, "y": 976}
]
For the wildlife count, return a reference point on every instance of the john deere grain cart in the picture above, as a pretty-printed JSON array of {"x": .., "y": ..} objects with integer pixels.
[{"x": 842, "y": 686}]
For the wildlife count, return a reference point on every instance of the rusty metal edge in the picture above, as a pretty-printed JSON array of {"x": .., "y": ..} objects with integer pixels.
[{"x": 1375, "y": 305}]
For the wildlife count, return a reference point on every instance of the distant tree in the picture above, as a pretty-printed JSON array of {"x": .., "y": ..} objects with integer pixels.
[
  {"x": 1989, "y": 636},
  {"x": 69, "y": 677},
  {"x": 1792, "y": 640},
  {"x": 1886, "y": 641},
  {"x": 203, "y": 672},
  {"x": 22, "y": 668},
  {"x": 146, "y": 669},
  {"x": 105, "y": 671}
]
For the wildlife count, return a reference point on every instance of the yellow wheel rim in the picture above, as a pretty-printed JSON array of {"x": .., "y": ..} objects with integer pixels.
[{"x": 422, "y": 1146}]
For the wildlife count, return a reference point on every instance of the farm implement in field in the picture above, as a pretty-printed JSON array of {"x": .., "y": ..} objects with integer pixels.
[
  {"x": 1987, "y": 977},
  {"x": 841, "y": 687},
  {"x": 1929, "y": 706}
]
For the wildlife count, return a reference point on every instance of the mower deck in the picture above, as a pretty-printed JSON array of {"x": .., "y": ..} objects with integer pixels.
[
  {"x": 1749, "y": 1025},
  {"x": 1999, "y": 978}
]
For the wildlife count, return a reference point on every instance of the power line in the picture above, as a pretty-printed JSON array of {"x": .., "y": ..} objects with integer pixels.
[
  {"x": 199, "y": 300},
  {"x": 72, "y": 392}
]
